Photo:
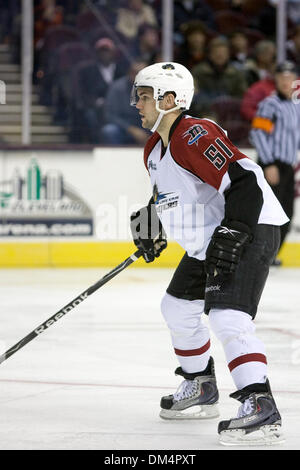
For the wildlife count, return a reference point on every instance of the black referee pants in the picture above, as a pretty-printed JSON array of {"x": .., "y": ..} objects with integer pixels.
[{"x": 285, "y": 193}]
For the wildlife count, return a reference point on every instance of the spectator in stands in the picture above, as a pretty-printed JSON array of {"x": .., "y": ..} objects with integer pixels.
[
  {"x": 93, "y": 81},
  {"x": 72, "y": 8},
  {"x": 192, "y": 52},
  {"x": 263, "y": 63},
  {"x": 123, "y": 122},
  {"x": 130, "y": 18},
  {"x": 236, "y": 4},
  {"x": 216, "y": 76},
  {"x": 146, "y": 46},
  {"x": 46, "y": 14},
  {"x": 9, "y": 10},
  {"x": 184, "y": 10},
  {"x": 266, "y": 19},
  {"x": 243, "y": 6},
  {"x": 254, "y": 95},
  {"x": 239, "y": 49},
  {"x": 293, "y": 47},
  {"x": 294, "y": 11}
]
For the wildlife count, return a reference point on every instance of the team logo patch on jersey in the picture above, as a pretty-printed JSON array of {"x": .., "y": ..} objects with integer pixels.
[
  {"x": 157, "y": 196},
  {"x": 195, "y": 133},
  {"x": 164, "y": 201}
]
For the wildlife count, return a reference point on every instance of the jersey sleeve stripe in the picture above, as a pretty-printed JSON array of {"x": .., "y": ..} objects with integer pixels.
[{"x": 225, "y": 183}]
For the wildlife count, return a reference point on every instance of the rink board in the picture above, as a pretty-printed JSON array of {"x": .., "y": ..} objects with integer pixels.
[
  {"x": 93, "y": 254},
  {"x": 72, "y": 209}
]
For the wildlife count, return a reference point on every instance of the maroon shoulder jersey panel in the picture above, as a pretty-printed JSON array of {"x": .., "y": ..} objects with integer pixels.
[
  {"x": 202, "y": 147},
  {"x": 150, "y": 144}
]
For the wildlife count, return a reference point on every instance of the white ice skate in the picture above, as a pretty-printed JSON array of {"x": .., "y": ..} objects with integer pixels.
[
  {"x": 258, "y": 422},
  {"x": 196, "y": 397}
]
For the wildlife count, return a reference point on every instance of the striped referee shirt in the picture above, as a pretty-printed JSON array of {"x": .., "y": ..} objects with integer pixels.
[{"x": 275, "y": 130}]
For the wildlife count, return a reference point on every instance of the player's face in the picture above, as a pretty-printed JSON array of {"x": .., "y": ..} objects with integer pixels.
[
  {"x": 146, "y": 107},
  {"x": 284, "y": 83}
]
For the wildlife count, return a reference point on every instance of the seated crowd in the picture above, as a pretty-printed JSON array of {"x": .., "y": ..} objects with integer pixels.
[{"x": 88, "y": 52}]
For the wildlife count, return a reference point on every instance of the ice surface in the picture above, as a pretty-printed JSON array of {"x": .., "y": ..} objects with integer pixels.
[{"x": 94, "y": 379}]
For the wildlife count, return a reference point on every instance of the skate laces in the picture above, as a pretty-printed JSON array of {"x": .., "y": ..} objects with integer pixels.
[
  {"x": 186, "y": 390},
  {"x": 246, "y": 408}
]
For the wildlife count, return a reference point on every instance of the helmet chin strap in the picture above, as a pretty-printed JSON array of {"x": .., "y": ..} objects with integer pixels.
[{"x": 162, "y": 113}]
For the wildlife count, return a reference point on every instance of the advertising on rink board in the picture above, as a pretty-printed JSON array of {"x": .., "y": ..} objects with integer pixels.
[{"x": 41, "y": 203}]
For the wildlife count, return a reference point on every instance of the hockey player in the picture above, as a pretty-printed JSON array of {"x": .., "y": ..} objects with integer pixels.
[{"x": 215, "y": 202}]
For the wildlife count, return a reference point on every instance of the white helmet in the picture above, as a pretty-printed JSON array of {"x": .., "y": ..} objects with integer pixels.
[{"x": 165, "y": 77}]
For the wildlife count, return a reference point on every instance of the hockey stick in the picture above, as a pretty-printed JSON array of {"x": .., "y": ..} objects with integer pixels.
[{"x": 67, "y": 308}]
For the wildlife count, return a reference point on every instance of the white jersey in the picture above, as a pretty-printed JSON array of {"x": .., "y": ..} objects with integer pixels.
[{"x": 202, "y": 179}]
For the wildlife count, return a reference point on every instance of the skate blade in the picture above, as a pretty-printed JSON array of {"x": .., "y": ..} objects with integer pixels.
[
  {"x": 265, "y": 436},
  {"x": 194, "y": 412}
]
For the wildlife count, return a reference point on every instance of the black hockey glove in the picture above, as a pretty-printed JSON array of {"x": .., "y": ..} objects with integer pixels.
[
  {"x": 225, "y": 248},
  {"x": 148, "y": 233}
]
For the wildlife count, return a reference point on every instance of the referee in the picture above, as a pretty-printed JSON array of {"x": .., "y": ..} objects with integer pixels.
[{"x": 275, "y": 134}]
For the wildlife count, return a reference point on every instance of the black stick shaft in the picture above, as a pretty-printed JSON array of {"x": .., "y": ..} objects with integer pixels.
[{"x": 70, "y": 306}]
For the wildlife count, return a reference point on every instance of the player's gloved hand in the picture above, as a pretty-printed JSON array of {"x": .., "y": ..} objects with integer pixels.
[
  {"x": 225, "y": 248},
  {"x": 148, "y": 233}
]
